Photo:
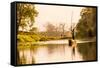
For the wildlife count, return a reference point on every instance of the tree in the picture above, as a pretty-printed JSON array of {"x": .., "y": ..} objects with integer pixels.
[
  {"x": 33, "y": 29},
  {"x": 50, "y": 27},
  {"x": 63, "y": 29},
  {"x": 51, "y": 30},
  {"x": 26, "y": 14},
  {"x": 87, "y": 24},
  {"x": 72, "y": 29}
]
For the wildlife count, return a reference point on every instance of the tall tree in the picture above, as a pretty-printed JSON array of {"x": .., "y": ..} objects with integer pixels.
[
  {"x": 72, "y": 27},
  {"x": 73, "y": 30},
  {"x": 87, "y": 24},
  {"x": 26, "y": 14}
]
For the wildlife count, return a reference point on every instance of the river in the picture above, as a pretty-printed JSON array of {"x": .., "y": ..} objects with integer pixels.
[{"x": 55, "y": 52}]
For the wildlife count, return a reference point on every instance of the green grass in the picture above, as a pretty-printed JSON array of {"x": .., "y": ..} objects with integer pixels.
[{"x": 28, "y": 38}]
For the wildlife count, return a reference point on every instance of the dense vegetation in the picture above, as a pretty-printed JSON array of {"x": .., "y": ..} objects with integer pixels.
[
  {"x": 26, "y": 14},
  {"x": 34, "y": 37},
  {"x": 86, "y": 28}
]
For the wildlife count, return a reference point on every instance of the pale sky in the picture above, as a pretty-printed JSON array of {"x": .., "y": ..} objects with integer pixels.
[{"x": 56, "y": 15}]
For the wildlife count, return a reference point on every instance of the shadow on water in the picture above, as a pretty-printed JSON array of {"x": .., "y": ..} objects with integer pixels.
[
  {"x": 88, "y": 50},
  {"x": 25, "y": 54}
]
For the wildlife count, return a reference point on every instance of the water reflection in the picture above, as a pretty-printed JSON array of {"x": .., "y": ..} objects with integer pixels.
[
  {"x": 87, "y": 50},
  {"x": 55, "y": 53}
]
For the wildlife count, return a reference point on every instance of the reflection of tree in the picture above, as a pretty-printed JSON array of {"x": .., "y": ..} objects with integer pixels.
[
  {"x": 88, "y": 50},
  {"x": 26, "y": 14}
]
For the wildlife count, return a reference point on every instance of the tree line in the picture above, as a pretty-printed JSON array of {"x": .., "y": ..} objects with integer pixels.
[{"x": 86, "y": 27}]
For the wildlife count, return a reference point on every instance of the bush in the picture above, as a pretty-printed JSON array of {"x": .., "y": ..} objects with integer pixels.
[
  {"x": 43, "y": 39},
  {"x": 35, "y": 37},
  {"x": 48, "y": 38},
  {"x": 28, "y": 38}
]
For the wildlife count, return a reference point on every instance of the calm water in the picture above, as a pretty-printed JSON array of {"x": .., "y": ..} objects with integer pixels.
[{"x": 49, "y": 53}]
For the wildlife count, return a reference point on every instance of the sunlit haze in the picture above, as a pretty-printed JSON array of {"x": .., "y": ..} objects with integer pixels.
[{"x": 56, "y": 15}]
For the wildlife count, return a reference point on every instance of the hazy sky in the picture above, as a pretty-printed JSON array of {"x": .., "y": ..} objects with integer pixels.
[{"x": 56, "y": 15}]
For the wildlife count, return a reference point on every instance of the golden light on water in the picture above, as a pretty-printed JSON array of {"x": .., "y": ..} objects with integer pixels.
[{"x": 56, "y": 54}]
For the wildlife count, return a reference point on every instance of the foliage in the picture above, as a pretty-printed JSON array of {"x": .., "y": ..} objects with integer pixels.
[
  {"x": 50, "y": 27},
  {"x": 26, "y": 14},
  {"x": 43, "y": 39},
  {"x": 27, "y": 38},
  {"x": 87, "y": 24},
  {"x": 33, "y": 29}
]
